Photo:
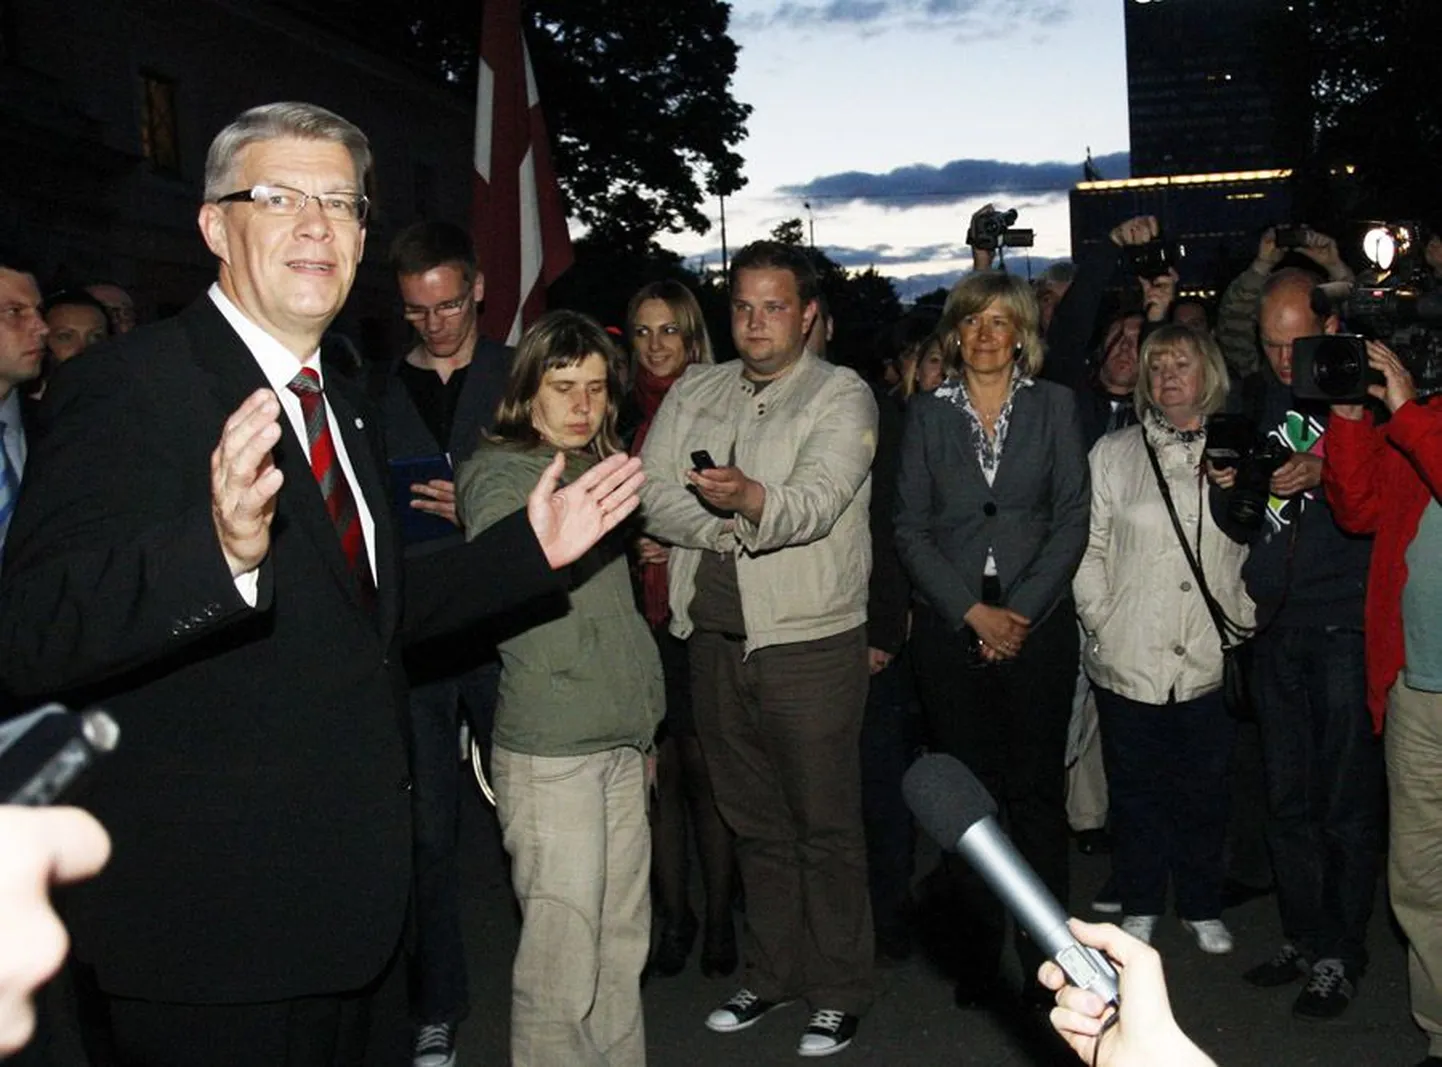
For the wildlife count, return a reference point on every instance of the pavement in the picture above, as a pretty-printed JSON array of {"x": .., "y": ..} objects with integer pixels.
[{"x": 914, "y": 1021}]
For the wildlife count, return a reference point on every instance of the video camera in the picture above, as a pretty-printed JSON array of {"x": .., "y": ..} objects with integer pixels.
[
  {"x": 1398, "y": 303},
  {"x": 992, "y": 229},
  {"x": 1234, "y": 443}
]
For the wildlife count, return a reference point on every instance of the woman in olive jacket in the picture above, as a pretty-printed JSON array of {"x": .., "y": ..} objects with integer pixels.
[{"x": 580, "y": 697}]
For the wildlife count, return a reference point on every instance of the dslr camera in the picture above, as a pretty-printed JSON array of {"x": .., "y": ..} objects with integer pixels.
[
  {"x": 1233, "y": 443},
  {"x": 1153, "y": 259},
  {"x": 1400, "y": 306},
  {"x": 992, "y": 229}
]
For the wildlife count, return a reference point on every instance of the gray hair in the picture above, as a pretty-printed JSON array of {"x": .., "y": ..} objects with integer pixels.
[{"x": 273, "y": 122}]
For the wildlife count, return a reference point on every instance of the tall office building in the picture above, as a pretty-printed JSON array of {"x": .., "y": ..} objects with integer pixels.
[{"x": 1212, "y": 85}]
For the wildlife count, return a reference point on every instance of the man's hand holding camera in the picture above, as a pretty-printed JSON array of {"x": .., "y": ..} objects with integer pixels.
[
  {"x": 1397, "y": 387},
  {"x": 1135, "y": 231},
  {"x": 1158, "y": 295}
]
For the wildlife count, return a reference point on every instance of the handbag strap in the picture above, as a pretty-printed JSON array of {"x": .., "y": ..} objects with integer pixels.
[{"x": 1230, "y": 633}]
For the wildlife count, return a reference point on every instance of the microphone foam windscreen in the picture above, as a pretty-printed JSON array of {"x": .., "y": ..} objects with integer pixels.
[{"x": 945, "y": 797}]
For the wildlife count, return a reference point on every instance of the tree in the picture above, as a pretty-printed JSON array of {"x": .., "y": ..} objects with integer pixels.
[
  {"x": 637, "y": 96},
  {"x": 1375, "y": 106},
  {"x": 861, "y": 302}
]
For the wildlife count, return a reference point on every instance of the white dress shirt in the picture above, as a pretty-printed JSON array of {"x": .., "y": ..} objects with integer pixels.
[{"x": 280, "y": 366}]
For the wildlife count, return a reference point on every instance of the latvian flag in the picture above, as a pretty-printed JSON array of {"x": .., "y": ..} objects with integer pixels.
[{"x": 517, "y": 219}]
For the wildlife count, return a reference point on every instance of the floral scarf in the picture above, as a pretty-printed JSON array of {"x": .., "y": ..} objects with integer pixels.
[{"x": 988, "y": 449}]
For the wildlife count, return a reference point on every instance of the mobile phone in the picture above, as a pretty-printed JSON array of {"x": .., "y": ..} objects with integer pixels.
[
  {"x": 44, "y": 752},
  {"x": 701, "y": 460}
]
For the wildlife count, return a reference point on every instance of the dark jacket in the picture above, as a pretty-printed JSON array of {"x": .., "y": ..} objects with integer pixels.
[
  {"x": 1325, "y": 583},
  {"x": 1034, "y": 518},
  {"x": 258, "y": 797},
  {"x": 889, "y": 592}
]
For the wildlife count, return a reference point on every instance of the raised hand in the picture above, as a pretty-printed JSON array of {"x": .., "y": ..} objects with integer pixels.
[
  {"x": 244, "y": 481},
  {"x": 1135, "y": 231},
  {"x": 567, "y": 522}
]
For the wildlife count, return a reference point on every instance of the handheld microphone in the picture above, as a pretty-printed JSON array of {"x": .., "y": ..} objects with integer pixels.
[
  {"x": 43, "y": 753},
  {"x": 959, "y": 814}
]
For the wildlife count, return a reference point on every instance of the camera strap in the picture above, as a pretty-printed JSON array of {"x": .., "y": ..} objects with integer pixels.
[{"x": 1231, "y": 633}]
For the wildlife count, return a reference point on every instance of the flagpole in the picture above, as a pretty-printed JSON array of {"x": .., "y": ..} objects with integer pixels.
[{"x": 725, "y": 259}]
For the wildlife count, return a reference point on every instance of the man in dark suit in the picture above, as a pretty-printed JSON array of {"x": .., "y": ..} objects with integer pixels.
[
  {"x": 436, "y": 400},
  {"x": 22, "y": 353},
  {"x": 238, "y": 606}
]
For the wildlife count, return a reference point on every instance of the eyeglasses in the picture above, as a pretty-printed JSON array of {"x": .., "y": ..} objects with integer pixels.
[
  {"x": 284, "y": 202},
  {"x": 448, "y": 310}
]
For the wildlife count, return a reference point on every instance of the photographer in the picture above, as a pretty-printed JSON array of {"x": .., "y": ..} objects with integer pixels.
[
  {"x": 1104, "y": 392},
  {"x": 1237, "y": 313},
  {"x": 1384, "y": 480},
  {"x": 1322, "y": 763}
]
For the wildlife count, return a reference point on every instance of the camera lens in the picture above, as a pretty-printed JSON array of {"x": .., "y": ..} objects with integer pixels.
[{"x": 1337, "y": 368}]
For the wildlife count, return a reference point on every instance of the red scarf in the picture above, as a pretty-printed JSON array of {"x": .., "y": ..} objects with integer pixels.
[{"x": 650, "y": 391}]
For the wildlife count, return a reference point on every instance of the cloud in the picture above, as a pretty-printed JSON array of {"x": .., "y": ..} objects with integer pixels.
[
  {"x": 883, "y": 256},
  {"x": 921, "y": 185},
  {"x": 975, "y": 18}
]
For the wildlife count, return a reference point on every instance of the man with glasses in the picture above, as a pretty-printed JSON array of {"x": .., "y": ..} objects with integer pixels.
[
  {"x": 239, "y": 608},
  {"x": 436, "y": 400}
]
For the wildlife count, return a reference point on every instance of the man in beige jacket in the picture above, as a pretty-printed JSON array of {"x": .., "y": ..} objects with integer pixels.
[{"x": 768, "y": 579}]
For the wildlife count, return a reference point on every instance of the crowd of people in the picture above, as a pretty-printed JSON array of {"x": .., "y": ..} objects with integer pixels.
[{"x": 295, "y": 586}]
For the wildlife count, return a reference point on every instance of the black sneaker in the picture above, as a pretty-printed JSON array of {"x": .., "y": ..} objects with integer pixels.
[
  {"x": 1327, "y": 993},
  {"x": 826, "y": 1033},
  {"x": 1286, "y": 967},
  {"x": 743, "y": 1010},
  {"x": 435, "y": 1046}
]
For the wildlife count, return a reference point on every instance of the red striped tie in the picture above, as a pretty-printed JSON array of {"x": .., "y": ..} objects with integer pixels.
[{"x": 339, "y": 503}]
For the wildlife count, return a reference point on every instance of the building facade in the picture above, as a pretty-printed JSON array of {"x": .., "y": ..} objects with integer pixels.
[{"x": 107, "y": 108}]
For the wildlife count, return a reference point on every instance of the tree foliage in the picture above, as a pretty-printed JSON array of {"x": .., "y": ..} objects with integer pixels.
[
  {"x": 1375, "y": 106},
  {"x": 637, "y": 97},
  {"x": 861, "y": 302}
]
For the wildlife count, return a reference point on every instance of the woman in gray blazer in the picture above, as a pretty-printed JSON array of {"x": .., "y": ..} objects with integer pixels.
[{"x": 991, "y": 522}]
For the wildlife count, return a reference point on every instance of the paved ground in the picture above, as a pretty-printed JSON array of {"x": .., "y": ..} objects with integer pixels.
[{"x": 914, "y": 1022}]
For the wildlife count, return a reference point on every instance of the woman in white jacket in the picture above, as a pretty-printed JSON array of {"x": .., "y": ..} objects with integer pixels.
[{"x": 1152, "y": 647}]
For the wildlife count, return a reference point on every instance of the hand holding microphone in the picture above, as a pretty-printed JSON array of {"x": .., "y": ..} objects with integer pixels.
[
  {"x": 1147, "y": 1033},
  {"x": 960, "y": 815}
]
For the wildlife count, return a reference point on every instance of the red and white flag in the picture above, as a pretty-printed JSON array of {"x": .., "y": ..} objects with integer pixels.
[{"x": 517, "y": 219}]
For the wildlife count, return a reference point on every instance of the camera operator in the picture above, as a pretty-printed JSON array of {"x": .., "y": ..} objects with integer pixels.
[
  {"x": 1322, "y": 762},
  {"x": 1385, "y": 480},
  {"x": 1237, "y": 313}
]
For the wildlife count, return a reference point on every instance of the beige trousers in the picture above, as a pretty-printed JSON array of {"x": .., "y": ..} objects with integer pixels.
[
  {"x": 575, "y": 828},
  {"x": 1414, "y": 866}
]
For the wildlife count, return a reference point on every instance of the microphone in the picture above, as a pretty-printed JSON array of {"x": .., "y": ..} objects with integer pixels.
[{"x": 960, "y": 815}]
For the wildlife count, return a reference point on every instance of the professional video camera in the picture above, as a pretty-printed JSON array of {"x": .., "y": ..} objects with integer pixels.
[
  {"x": 992, "y": 229},
  {"x": 1398, "y": 302},
  {"x": 1233, "y": 442}
]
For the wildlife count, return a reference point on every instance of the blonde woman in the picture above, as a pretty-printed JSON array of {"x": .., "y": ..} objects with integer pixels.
[{"x": 1152, "y": 647}]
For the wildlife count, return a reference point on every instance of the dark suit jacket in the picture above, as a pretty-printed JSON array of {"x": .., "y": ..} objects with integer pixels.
[
  {"x": 258, "y": 798},
  {"x": 1034, "y": 517}
]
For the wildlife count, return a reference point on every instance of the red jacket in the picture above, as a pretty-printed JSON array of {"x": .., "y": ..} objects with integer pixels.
[{"x": 1380, "y": 481}]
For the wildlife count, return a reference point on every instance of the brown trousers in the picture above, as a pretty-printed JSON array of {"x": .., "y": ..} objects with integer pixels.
[{"x": 781, "y": 735}]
